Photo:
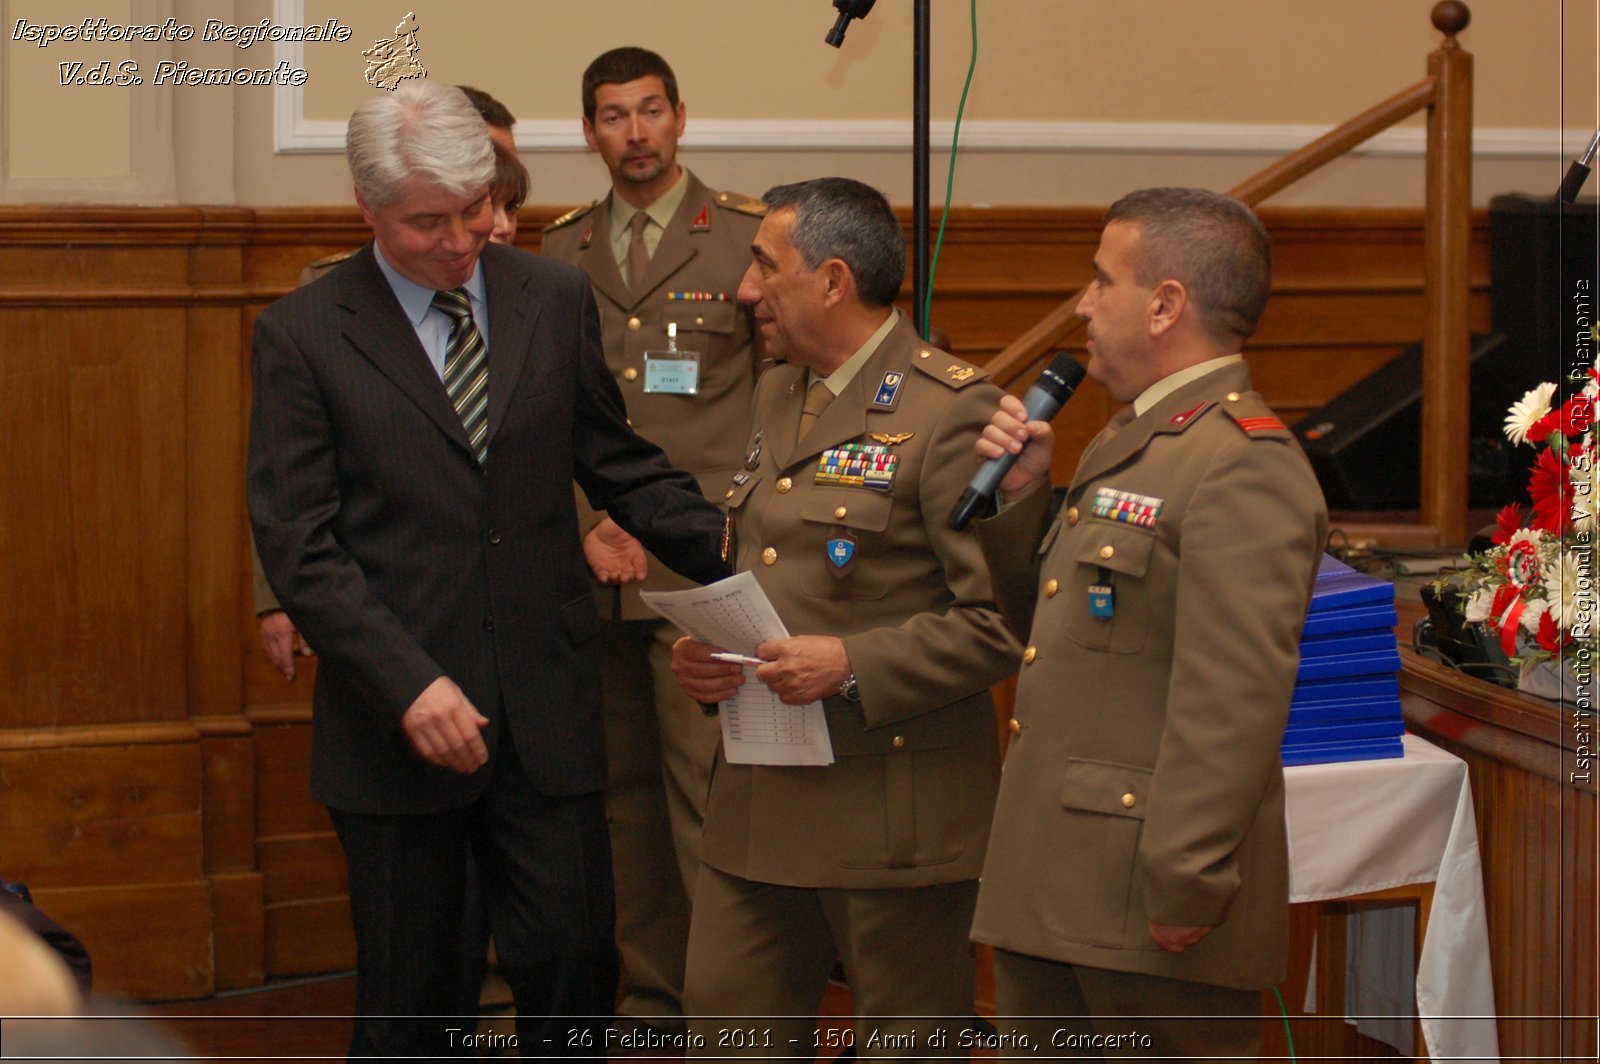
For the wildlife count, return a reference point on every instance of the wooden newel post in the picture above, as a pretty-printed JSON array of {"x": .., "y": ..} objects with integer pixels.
[{"x": 1447, "y": 342}]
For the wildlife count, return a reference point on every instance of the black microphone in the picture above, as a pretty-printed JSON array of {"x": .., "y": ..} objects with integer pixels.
[
  {"x": 1043, "y": 401},
  {"x": 848, "y": 9},
  {"x": 1578, "y": 173}
]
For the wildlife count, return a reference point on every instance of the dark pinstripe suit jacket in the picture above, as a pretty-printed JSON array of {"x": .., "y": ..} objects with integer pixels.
[{"x": 402, "y": 561}]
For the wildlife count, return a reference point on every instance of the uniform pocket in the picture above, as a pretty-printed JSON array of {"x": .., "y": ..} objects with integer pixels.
[
  {"x": 1115, "y": 556},
  {"x": 849, "y": 524},
  {"x": 1102, "y": 811}
]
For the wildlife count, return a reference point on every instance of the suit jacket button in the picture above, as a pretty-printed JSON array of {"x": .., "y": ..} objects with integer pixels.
[
  {"x": 769, "y": 556},
  {"x": 630, "y": 374},
  {"x": 488, "y": 624},
  {"x": 494, "y": 536},
  {"x": 1029, "y": 654},
  {"x": 1129, "y": 801},
  {"x": 1051, "y": 586},
  {"x": 783, "y": 485},
  {"x": 1072, "y": 515},
  {"x": 1016, "y": 726},
  {"x": 634, "y": 324}
]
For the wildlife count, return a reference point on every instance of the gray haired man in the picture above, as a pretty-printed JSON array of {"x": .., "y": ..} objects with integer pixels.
[{"x": 420, "y": 414}]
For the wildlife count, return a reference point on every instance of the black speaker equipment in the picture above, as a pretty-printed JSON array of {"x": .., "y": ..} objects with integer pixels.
[
  {"x": 1542, "y": 264},
  {"x": 1366, "y": 445}
]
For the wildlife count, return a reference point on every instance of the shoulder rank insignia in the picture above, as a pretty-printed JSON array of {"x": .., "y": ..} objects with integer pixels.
[
  {"x": 572, "y": 215},
  {"x": 743, "y": 204},
  {"x": 889, "y": 388},
  {"x": 960, "y": 373},
  {"x": 1189, "y": 414},
  {"x": 1253, "y": 425},
  {"x": 1127, "y": 507},
  {"x": 702, "y": 221},
  {"x": 890, "y": 438}
]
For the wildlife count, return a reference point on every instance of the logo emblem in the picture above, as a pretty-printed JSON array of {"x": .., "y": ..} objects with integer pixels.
[{"x": 389, "y": 62}]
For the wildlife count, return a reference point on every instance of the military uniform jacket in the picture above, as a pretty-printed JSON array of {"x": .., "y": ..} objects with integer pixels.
[
  {"x": 1143, "y": 779},
  {"x": 706, "y": 248},
  {"x": 907, "y": 801}
]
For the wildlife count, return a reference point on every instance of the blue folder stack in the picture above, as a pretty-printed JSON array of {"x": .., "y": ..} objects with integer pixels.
[{"x": 1346, "y": 704}]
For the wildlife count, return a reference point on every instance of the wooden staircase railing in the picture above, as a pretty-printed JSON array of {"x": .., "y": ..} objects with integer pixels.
[{"x": 1446, "y": 94}]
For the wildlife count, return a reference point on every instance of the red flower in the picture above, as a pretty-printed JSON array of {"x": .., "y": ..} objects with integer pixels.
[
  {"x": 1540, "y": 430},
  {"x": 1551, "y": 637},
  {"x": 1577, "y": 415},
  {"x": 1507, "y": 521},
  {"x": 1548, "y": 487}
]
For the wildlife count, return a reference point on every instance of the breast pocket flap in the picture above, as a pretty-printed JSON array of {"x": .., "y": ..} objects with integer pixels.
[{"x": 851, "y": 507}]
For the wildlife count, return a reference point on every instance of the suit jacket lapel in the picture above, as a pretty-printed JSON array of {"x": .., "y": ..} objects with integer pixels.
[
  {"x": 377, "y": 327},
  {"x": 597, "y": 262},
  {"x": 513, "y": 312},
  {"x": 784, "y": 420}
]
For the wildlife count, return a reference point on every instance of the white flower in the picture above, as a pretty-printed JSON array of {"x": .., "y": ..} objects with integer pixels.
[
  {"x": 1478, "y": 606},
  {"x": 1535, "y": 610},
  {"x": 1527, "y": 411},
  {"x": 1561, "y": 581}
]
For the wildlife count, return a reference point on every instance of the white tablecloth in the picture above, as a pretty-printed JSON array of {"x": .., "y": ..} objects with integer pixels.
[{"x": 1371, "y": 825}]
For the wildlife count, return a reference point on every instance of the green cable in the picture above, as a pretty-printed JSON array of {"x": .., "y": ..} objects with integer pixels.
[
  {"x": 1282, "y": 1011},
  {"x": 950, "y": 179}
]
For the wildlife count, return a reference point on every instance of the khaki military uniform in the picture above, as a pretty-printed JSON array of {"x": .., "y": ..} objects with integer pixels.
[
  {"x": 873, "y": 856},
  {"x": 1143, "y": 780},
  {"x": 659, "y": 743}
]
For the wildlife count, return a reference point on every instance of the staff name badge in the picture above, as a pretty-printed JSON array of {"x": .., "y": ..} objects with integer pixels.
[{"x": 673, "y": 371}]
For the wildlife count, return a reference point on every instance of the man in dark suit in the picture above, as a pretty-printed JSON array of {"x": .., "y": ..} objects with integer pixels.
[{"x": 419, "y": 417}]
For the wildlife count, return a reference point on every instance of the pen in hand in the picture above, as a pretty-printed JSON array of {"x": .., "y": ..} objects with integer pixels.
[{"x": 737, "y": 659}]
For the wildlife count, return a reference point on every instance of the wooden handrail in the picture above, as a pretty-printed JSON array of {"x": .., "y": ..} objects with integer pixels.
[{"x": 1446, "y": 94}]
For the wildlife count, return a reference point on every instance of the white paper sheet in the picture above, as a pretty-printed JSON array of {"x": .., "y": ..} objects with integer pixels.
[{"x": 757, "y": 727}]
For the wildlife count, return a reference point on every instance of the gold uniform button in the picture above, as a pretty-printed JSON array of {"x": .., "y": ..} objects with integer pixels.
[
  {"x": 769, "y": 556},
  {"x": 1072, "y": 515},
  {"x": 1029, "y": 654},
  {"x": 630, "y": 374},
  {"x": 699, "y": 321},
  {"x": 899, "y": 741},
  {"x": 1129, "y": 801},
  {"x": 783, "y": 485},
  {"x": 1233, "y": 397},
  {"x": 1107, "y": 551},
  {"x": 924, "y": 353},
  {"x": 1051, "y": 586},
  {"x": 840, "y": 512},
  {"x": 1016, "y": 726},
  {"x": 634, "y": 324}
]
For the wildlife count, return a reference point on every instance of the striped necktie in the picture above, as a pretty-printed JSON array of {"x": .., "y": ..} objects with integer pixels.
[{"x": 466, "y": 370}]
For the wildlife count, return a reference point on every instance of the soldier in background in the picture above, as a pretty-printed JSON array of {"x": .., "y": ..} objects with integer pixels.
[{"x": 664, "y": 254}]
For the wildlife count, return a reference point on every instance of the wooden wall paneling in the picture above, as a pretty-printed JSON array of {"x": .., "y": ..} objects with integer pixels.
[
  {"x": 94, "y": 504},
  {"x": 105, "y": 825},
  {"x": 307, "y": 908}
]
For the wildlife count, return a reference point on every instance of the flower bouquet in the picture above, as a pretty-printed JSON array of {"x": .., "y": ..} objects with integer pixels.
[{"x": 1534, "y": 590}]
